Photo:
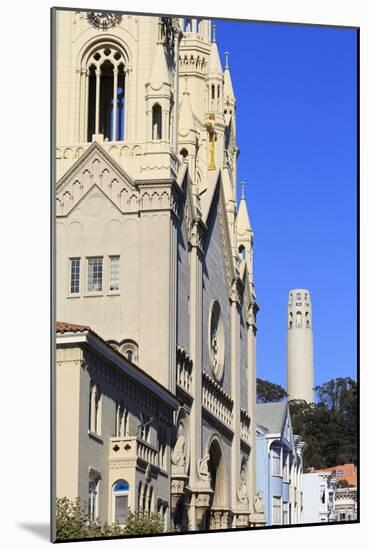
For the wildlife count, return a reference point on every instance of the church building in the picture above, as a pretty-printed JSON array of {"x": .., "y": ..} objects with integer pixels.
[{"x": 155, "y": 296}]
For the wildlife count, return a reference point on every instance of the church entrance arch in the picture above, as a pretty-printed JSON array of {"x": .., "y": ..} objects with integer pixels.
[{"x": 217, "y": 517}]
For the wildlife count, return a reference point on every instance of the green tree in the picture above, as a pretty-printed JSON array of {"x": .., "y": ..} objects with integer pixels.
[
  {"x": 143, "y": 523},
  {"x": 72, "y": 522},
  {"x": 329, "y": 427},
  {"x": 267, "y": 392}
]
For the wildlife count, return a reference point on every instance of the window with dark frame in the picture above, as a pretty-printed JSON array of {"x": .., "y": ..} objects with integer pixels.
[
  {"x": 75, "y": 271},
  {"x": 95, "y": 274}
]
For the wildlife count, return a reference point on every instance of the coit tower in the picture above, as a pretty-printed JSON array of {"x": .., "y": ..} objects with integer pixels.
[{"x": 300, "y": 358}]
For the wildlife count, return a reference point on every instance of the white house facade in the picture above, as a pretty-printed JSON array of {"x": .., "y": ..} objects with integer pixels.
[
  {"x": 280, "y": 464},
  {"x": 319, "y": 497}
]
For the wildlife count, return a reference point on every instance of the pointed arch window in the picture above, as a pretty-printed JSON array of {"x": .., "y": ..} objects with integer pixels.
[
  {"x": 105, "y": 94},
  {"x": 156, "y": 122}
]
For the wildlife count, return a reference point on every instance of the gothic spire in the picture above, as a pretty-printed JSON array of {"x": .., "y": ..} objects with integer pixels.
[
  {"x": 228, "y": 88},
  {"x": 215, "y": 65}
]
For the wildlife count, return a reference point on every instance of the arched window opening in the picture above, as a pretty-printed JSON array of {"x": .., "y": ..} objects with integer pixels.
[
  {"x": 120, "y": 501},
  {"x": 129, "y": 349},
  {"x": 106, "y": 95},
  {"x": 121, "y": 416},
  {"x": 298, "y": 319},
  {"x": 156, "y": 122},
  {"x": 212, "y": 91},
  {"x": 93, "y": 496},
  {"x": 139, "y": 492},
  {"x": 242, "y": 252},
  {"x": 291, "y": 320},
  {"x": 144, "y": 497},
  {"x": 184, "y": 153},
  {"x": 150, "y": 500},
  {"x": 276, "y": 459},
  {"x": 95, "y": 409},
  {"x": 307, "y": 319}
]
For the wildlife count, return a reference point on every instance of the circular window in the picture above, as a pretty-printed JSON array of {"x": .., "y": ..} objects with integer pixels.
[{"x": 216, "y": 340}]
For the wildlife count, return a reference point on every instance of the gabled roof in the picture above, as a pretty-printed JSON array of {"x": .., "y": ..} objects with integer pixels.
[
  {"x": 95, "y": 147},
  {"x": 272, "y": 416}
]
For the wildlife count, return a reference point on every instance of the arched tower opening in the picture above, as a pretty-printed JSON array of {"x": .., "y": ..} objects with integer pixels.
[
  {"x": 156, "y": 122},
  {"x": 103, "y": 107}
]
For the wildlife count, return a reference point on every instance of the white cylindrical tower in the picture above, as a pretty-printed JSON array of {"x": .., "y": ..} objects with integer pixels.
[{"x": 300, "y": 356}]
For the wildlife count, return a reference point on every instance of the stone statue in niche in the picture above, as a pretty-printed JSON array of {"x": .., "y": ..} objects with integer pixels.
[
  {"x": 258, "y": 503},
  {"x": 242, "y": 486},
  {"x": 179, "y": 451},
  {"x": 203, "y": 468},
  {"x": 214, "y": 342}
]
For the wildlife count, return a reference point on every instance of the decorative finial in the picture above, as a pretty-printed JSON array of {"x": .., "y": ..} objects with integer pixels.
[
  {"x": 227, "y": 55},
  {"x": 242, "y": 189},
  {"x": 214, "y": 29}
]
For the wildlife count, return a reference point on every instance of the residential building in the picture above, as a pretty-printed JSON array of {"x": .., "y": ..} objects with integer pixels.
[
  {"x": 344, "y": 472},
  {"x": 346, "y": 504},
  {"x": 319, "y": 491},
  {"x": 279, "y": 464}
]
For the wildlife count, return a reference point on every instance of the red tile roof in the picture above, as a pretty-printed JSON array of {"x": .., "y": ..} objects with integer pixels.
[{"x": 70, "y": 327}]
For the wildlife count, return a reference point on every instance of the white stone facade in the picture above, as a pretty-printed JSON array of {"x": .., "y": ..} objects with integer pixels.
[{"x": 152, "y": 253}]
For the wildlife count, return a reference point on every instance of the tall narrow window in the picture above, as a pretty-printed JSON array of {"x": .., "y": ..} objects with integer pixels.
[
  {"x": 75, "y": 264},
  {"x": 119, "y": 411},
  {"x": 92, "y": 500},
  {"x": 277, "y": 510},
  {"x": 156, "y": 122},
  {"x": 276, "y": 460},
  {"x": 95, "y": 409},
  {"x": 120, "y": 501},
  {"x": 95, "y": 272},
  {"x": 114, "y": 274},
  {"x": 285, "y": 467}
]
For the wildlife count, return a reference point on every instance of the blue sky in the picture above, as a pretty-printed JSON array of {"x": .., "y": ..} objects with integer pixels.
[{"x": 296, "y": 129}]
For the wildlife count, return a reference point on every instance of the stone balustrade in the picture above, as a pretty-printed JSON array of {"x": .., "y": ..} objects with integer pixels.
[
  {"x": 245, "y": 421},
  {"x": 216, "y": 400},
  {"x": 184, "y": 370},
  {"x": 128, "y": 448}
]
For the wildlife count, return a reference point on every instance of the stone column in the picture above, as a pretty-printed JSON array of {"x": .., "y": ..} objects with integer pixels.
[
  {"x": 97, "y": 104},
  {"x": 84, "y": 136},
  {"x": 196, "y": 504},
  {"x": 256, "y": 505},
  {"x": 236, "y": 391},
  {"x": 115, "y": 86}
]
